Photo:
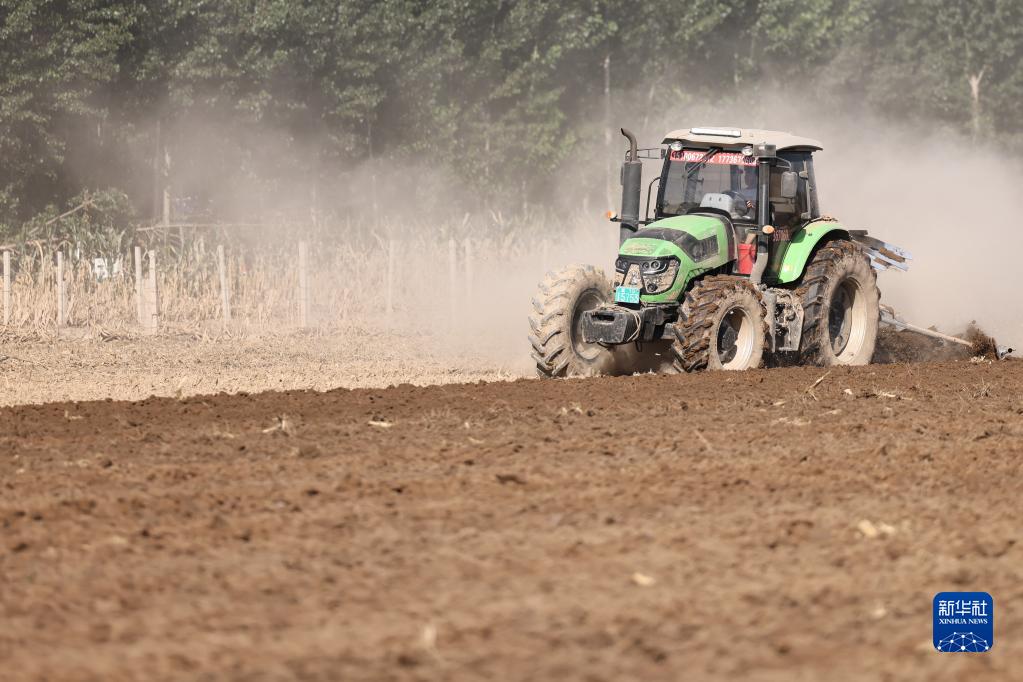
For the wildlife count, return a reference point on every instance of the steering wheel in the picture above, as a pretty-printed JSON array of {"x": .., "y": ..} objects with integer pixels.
[{"x": 739, "y": 207}]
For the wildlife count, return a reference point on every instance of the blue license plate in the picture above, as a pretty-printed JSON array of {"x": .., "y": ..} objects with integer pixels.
[{"x": 626, "y": 295}]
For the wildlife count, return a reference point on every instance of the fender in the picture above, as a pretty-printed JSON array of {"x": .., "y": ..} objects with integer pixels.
[{"x": 795, "y": 254}]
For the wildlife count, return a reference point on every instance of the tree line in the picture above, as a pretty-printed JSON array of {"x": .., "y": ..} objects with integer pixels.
[{"x": 194, "y": 99}]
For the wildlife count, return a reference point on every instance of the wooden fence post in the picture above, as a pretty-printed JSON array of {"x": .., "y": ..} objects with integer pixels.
[
  {"x": 469, "y": 293},
  {"x": 390, "y": 277},
  {"x": 225, "y": 295},
  {"x": 7, "y": 288},
  {"x": 452, "y": 279},
  {"x": 303, "y": 284},
  {"x": 153, "y": 297},
  {"x": 468, "y": 268},
  {"x": 140, "y": 301},
  {"x": 61, "y": 312},
  {"x": 166, "y": 212}
]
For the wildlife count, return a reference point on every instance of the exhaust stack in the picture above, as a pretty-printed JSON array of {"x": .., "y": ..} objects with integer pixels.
[{"x": 632, "y": 179}]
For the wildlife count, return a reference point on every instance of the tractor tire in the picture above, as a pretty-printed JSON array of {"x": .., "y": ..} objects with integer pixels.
[
  {"x": 841, "y": 307},
  {"x": 721, "y": 325},
  {"x": 556, "y": 324}
]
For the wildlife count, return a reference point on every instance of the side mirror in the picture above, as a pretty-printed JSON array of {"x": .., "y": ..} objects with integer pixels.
[{"x": 789, "y": 184}]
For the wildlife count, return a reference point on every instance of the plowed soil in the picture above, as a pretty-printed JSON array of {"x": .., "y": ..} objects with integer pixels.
[{"x": 784, "y": 524}]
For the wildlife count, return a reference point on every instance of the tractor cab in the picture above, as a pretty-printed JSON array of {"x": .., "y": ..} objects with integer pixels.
[
  {"x": 727, "y": 201},
  {"x": 716, "y": 170}
]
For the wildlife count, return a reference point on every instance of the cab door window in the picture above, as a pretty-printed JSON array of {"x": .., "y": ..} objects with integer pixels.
[{"x": 788, "y": 212}]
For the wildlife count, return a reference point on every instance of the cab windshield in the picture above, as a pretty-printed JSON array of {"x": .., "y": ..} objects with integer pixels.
[{"x": 725, "y": 180}]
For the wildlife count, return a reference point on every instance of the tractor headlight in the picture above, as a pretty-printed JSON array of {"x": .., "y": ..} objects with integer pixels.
[
  {"x": 659, "y": 275},
  {"x": 631, "y": 277},
  {"x": 620, "y": 268}
]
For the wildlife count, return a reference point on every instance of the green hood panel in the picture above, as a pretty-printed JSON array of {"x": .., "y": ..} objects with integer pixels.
[
  {"x": 664, "y": 238},
  {"x": 700, "y": 226},
  {"x": 655, "y": 248}
]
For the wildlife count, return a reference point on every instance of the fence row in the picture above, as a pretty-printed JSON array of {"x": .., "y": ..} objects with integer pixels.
[{"x": 403, "y": 277}]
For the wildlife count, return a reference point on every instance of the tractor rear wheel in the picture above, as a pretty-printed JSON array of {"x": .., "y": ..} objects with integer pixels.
[
  {"x": 720, "y": 326},
  {"x": 841, "y": 307},
  {"x": 556, "y": 323}
]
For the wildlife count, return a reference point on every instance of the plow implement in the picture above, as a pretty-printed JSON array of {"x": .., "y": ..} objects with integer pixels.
[
  {"x": 883, "y": 256},
  {"x": 894, "y": 321}
]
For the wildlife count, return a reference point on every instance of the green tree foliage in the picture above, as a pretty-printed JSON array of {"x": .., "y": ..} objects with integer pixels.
[
  {"x": 953, "y": 61},
  {"x": 283, "y": 96},
  {"x": 55, "y": 56}
]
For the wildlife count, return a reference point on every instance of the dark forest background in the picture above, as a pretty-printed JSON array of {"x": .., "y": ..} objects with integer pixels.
[{"x": 224, "y": 105}]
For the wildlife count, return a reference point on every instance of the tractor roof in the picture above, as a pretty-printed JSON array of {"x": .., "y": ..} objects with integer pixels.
[{"x": 742, "y": 136}]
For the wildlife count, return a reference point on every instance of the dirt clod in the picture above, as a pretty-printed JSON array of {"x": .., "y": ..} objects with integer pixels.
[{"x": 983, "y": 345}]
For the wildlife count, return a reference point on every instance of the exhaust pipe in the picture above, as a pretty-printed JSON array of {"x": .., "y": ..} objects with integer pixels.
[
  {"x": 633, "y": 145},
  {"x": 632, "y": 180}
]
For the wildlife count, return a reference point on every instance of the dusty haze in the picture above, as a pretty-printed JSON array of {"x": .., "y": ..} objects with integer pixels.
[{"x": 949, "y": 201}]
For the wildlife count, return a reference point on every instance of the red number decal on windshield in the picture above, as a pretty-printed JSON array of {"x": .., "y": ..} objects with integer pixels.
[{"x": 722, "y": 158}]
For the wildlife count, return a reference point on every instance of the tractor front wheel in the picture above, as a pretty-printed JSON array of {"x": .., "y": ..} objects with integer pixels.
[
  {"x": 556, "y": 324},
  {"x": 841, "y": 307},
  {"x": 720, "y": 326}
]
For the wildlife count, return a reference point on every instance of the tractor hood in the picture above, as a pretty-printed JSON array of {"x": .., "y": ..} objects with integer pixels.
[
  {"x": 699, "y": 242},
  {"x": 669, "y": 236}
]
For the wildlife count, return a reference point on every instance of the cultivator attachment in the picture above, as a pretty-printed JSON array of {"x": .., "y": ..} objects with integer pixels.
[
  {"x": 882, "y": 256},
  {"x": 892, "y": 319}
]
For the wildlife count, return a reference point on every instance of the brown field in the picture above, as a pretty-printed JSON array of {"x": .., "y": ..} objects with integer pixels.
[
  {"x": 788, "y": 524},
  {"x": 133, "y": 367}
]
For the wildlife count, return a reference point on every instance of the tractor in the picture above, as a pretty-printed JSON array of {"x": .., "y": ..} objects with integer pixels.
[{"x": 737, "y": 267}]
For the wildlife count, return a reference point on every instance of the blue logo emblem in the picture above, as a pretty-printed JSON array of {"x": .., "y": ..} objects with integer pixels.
[{"x": 964, "y": 622}]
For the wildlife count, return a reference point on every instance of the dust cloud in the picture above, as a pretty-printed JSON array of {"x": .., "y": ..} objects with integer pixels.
[
  {"x": 465, "y": 276},
  {"x": 947, "y": 200},
  {"x": 954, "y": 205}
]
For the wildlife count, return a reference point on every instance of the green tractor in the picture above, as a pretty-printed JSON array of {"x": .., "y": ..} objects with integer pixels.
[{"x": 736, "y": 268}]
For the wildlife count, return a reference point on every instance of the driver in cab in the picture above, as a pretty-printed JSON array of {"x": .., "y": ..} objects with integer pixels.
[{"x": 745, "y": 206}]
